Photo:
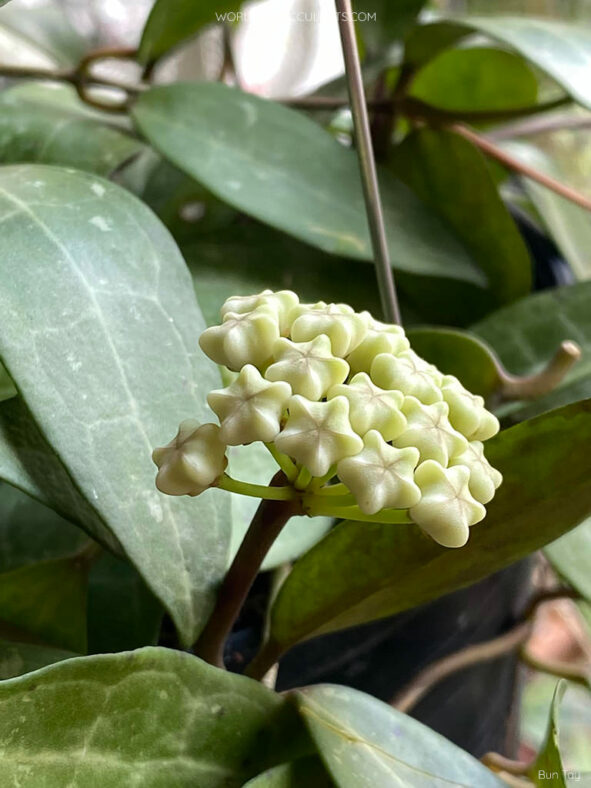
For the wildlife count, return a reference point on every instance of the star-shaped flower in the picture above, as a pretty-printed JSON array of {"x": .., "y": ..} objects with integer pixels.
[
  {"x": 389, "y": 339},
  {"x": 318, "y": 434},
  {"x": 250, "y": 408},
  {"x": 380, "y": 476},
  {"x": 192, "y": 461},
  {"x": 309, "y": 367},
  {"x": 408, "y": 373},
  {"x": 429, "y": 430},
  {"x": 344, "y": 327},
  {"x": 242, "y": 339},
  {"x": 281, "y": 302},
  {"x": 446, "y": 509},
  {"x": 372, "y": 408},
  {"x": 467, "y": 412},
  {"x": 484, "y": 479}
]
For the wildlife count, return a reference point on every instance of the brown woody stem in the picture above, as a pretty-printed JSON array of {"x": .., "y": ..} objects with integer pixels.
[{"x": 265, "y": 527}]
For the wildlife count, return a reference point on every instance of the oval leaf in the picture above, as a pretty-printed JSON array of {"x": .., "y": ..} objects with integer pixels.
[
  {"x": 98, "y": 327},
  {"x": 364, "y": 571},
  {"x": 364, "y": 742},
  {"x": 263, "y": 159},
  {"x": 307, "y": 771},
  {"x": 153, "y": 717},
  {"x": 547, "y": 768}
]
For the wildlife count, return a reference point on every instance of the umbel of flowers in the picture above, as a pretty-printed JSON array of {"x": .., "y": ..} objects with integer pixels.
[{"x": 362, "y": 427}]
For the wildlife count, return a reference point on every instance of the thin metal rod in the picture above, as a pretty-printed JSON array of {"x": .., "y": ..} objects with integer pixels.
[{"x": 369, "y": 178}]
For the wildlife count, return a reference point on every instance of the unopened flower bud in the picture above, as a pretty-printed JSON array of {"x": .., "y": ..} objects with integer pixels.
[
  {"x": 318, "y": 434},
  {"x": 250, "y": 408},
  {"x": 372, "y": 408},
  {"x": 408, "y": 373},
  {"x": 193, "y": 460},
  {"x": 484, "y": 479},
  {"x": 380, "y": 476},
  {"x": 309, "y": 367},
  {"x": 242, "y": 339},
  {"x": 344, "y": 327},
  {"x": 428, "y": 429}
]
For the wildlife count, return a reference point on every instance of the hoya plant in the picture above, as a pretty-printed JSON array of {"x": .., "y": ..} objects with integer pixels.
[{"x": 294, "y": 392}]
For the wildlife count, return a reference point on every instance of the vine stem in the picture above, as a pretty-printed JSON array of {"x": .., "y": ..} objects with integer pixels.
[
  {"x": 266, "y": 525},
  {"x": 367, "y": 165}
]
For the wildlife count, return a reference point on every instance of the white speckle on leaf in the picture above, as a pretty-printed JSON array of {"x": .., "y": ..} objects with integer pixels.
[
  {"x": 101, "y": 223},
  {"x": 155, "y": 509},
  {"x": 235, "y": 185},
  {"x": 74, "y": 365},
  {"x": 98, "y": 189}
]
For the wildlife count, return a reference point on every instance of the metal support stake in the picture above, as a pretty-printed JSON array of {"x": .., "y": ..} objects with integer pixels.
[{"x": 375, "y": 216}]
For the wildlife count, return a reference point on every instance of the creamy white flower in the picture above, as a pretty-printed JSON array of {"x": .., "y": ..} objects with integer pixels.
[
  {"x": 428, "y": 429},
  {"x": 372, "y": 408},
  {"x": 408, "y": 373},
  {"x": 309, "y": 367},
  {"x": 250, "y": 408},
  {"x": 446, "y": 509},
  {"x": 242, "y": 339},
  {"x": 318, "y": 434},
  {"x": 484, "y": 479},
  {"x": 467, "y": 412},
  {"x": 380, "y": 476},
  {"x": 344, "y": 327},
  {"x": 282, "y": 303},
  {"x": 375, "y": 342},
  {"x": 193, "y": 460}
]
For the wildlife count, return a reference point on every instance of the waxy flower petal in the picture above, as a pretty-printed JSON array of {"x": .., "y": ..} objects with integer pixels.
[
  {"x": 446, "y": 509},
  {"x": 408, "y": 373},
  {"x": 380, "y": 476},
  {"x": 318, "y": 434},
  {"x": 484, "y": 479},
  {"x": 428, "y": 429},
  {"x": 242, "y": 339},
  {"x": 309, "y": 367},
  {"x": 392, "y": 341},
  {"x": 372, "y": 408},
  {"x": 250, "y": 408},
  {"x": 344, "y": 327},
  {"x": 193, "y": 460},
  {"x": 282, "y": 303},
  {"x": 466, "y": 410}
]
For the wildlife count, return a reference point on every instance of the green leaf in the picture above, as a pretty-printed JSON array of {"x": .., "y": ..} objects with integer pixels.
[
  {"x": 173, "y": 21},
  {"x": 48, "y": 601},
  {"x": 248, "y": 257},
  {"x": 306, "y": 771},
  {"x": 122, "y": 612},
  {"x": 547, "y": 769},
  {"x": 365, "y": 742},
  {"x": 254, "y": 464},
  {"x": 48, "y": 125},
  {"x": 386, "y": 21},
  {"x": 458, "y": 353},
  {"x": 476, "y": 79},
  {"x": 262, "y": 158},
  {"x": 561, "y": 49},
  {"x": 98, "y": 327},
  {"x": 364, "y": 571},
  {"x": 7, "y": 389},
  {"x": 436, "y": 164},
  {"x": 526, "y": 335},
  {"x": 155, "y": 717},
  {"x": 47, "y": 27},
  {"x": 18, "y": 658},
  {"x": 567, "y": 223},
  {"x": 569, "y": 556}
]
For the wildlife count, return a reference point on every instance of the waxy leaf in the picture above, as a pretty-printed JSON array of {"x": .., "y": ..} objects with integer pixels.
[
  {"x": 49, "y": 125},
  {"x": 306, "y": 771},
  {"x": 458, "y": 353},
  {"x": 154, "y": 717},
  {"x": 47, "y": 600},
  {"x": 173, "y": 21},
  {"x": 436, "y": 164},
  {"x": 526, "y": 335},
  {"x": 18, "y": 658},
  {"x": 263, "y": 159},
  {"x": 569, "y": 556},
  {"x": 364, "y": 571},
  {"x": 365, "y": 743},
  {"x": 561, "y": 49},
  {"x": 547, "y": 768},
  {"x": 476, "y": 79},
  {"x": 98, "y": 329}
]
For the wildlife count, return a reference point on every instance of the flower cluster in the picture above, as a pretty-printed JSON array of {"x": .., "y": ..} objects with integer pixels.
[{"x": 360, "y": 424}]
